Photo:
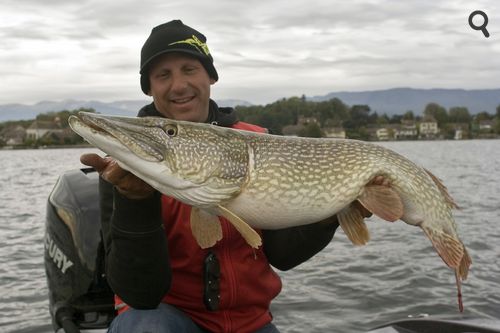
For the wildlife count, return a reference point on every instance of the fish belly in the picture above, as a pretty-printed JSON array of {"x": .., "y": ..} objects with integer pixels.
[{"x": 269, "y": 212}]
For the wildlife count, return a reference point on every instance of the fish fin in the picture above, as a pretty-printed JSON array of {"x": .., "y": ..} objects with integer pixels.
[
  {"x": 351, "y": 221},
  {"x": 450, "y": 249},
  {"x": 250, "y": 235},
  {"x": 382, "y": 201},
  {"x": 461, "y": 274},
  {"x": 463, "y": 269},
  {"x": 459, "y": 290},
  {"x": 205, "y": 227},
  {"x": 444, "y": 191}
]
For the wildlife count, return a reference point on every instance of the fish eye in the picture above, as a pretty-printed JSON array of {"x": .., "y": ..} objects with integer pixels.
[{"x": 171, "y": 130}]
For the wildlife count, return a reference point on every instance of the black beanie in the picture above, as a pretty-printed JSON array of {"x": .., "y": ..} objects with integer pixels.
[{"x": 175, "y": 36}]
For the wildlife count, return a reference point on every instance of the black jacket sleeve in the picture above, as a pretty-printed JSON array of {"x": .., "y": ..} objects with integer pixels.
[
  {"x": 287, "y": 248},
  {"x": 137, "y": 261}
]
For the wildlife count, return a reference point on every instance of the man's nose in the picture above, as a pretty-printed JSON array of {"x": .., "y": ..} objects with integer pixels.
[{"x": 179, "y": 82}]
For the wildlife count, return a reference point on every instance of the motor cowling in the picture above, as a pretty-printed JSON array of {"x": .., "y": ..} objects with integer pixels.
[{"x": 79, "y": 295}]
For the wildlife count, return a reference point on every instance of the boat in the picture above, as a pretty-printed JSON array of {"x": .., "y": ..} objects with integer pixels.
[
  {"x": 439, "y": 324},
  {"x": 80, "y": 299}
]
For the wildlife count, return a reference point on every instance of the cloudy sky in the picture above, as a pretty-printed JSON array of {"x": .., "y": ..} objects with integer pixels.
[{"x": 263, "y": 50}]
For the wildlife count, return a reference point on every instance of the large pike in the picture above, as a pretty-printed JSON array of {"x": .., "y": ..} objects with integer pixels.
[{"x": 272, "y": 182}]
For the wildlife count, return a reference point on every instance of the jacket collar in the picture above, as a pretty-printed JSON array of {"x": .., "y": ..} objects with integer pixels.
[{"x": 222, "y": 116}]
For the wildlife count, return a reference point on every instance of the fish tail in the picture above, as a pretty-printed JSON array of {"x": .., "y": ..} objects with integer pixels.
[
  {"x": 459, "y": 290},
  {"x": 463, "y": 268},
  {"x": 461, "y": 274},
  {"x": 449, "y": 248}
]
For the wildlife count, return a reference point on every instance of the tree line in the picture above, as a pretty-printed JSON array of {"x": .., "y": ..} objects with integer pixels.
[
  {"x": 56, "y": 120},
  {"x": 356, "y": 119}
]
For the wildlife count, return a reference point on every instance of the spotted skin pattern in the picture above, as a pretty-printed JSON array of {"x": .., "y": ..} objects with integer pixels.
[{"x": 273, "y": 182}]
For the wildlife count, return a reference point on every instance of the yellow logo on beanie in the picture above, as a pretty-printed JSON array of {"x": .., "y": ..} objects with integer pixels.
[{"x": 194, "y": 41}]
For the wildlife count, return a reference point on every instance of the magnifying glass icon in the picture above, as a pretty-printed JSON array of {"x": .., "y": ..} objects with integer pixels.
[{"x": 481, "y": 27}]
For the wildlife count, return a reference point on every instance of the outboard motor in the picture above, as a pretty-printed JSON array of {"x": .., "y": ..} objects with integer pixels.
[{"x": 79, "y": 295}]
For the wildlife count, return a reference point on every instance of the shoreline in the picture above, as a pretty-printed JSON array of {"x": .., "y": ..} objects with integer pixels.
[
  {"x": 375, "y": 141},
  {"x": 47, "y": 147}
]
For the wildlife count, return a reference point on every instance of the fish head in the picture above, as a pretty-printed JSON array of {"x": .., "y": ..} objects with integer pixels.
[{"x": 199, "y": 164}]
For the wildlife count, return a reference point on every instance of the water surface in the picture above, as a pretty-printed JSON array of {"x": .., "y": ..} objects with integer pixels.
[{"x": 342, "y": 289}]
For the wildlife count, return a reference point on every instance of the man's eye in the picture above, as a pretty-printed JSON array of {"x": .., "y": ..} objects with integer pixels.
[{"x": 162, "y": 75}]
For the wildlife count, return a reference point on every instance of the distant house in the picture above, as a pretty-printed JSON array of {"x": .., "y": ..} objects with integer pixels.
[
  {"x": 486, "y": 125},
  {"x": 59, "y": 136},
  {"x": 484, "y": 129},
  {"x": 302, "y": 123},
  {"x": 428, "y": 128},
  {"x": 14, "y": 135},
  {"x": 383, "y": 134},
  {"x": 407, "y": 130},
  {"x": 461, "y": 131},
  {"x": 38, "y": 129},
  {"x": 334, "y": 132}
]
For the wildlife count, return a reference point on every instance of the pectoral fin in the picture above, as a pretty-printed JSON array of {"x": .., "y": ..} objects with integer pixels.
[
  {"x": 450, "y": 249},
  {"x": 382, "y": 201},
  {"x": 205, "y": 227},
  {"x": 251, "y": 236},
  {"x": 351, "y": 221}
]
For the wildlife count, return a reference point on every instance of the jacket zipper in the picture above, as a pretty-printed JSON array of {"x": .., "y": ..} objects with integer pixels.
[{"x": 231, "y": 277}]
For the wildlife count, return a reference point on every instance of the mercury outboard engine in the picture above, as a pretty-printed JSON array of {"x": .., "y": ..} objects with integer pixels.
[{"x": 79, "y": 295}]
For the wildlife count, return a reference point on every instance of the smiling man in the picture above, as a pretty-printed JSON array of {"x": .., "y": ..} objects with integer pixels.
[
  {"x": 177, "y": 71},
  {"x": 180, "y": 87},
  {"x": 163, "y": 281}
]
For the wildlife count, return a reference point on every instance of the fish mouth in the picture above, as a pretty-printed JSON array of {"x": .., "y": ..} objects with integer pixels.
[{"x": 139, "y": 136}]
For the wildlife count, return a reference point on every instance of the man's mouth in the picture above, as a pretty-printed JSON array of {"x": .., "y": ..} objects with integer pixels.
[{"x": 182, "y": 100}]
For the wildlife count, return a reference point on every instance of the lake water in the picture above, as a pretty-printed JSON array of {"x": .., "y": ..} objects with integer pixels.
[{"x": 342, "y": 289}]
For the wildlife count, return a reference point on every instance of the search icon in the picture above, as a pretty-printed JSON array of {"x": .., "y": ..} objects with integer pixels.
[{"x": 481, "y": 27}]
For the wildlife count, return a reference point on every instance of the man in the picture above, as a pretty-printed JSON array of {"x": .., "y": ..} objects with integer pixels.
[{"x": 163, "y": 280}]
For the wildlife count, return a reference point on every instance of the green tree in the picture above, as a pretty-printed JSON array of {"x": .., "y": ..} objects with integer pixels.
[
  {"x": 383, "y": 119},
  {"x": 459, "y": 114},
  {"x": 396, "y": 119},
  {"x": 497, "y": 120},
  {"x": 333, "y": 111},
  {"x": 437, "y": 112},
  {"x": 483, "y": 116},
  {"x": 358, "y": 117},
  {"x": 312, "y": 130},
  {"x": 409, "y": 115}
]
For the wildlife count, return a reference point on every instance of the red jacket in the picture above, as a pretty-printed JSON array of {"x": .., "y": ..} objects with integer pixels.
[{"x": 247, "y": 282}]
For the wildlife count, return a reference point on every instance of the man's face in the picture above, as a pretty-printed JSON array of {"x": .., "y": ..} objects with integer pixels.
[{"x": 180, "y": 87}]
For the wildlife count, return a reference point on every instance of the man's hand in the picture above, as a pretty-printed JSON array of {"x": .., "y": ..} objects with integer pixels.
[{"x": 125, "y": 182}]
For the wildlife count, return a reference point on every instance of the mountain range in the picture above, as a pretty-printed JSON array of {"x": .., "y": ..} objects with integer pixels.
[
  {"x": 389, "y": 101},
  {"x": 117, "y": 108},
  {"x": 400, "y": 100}
]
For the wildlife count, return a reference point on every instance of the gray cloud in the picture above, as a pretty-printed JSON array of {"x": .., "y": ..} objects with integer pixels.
[{"x": 263, "y": 51}]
